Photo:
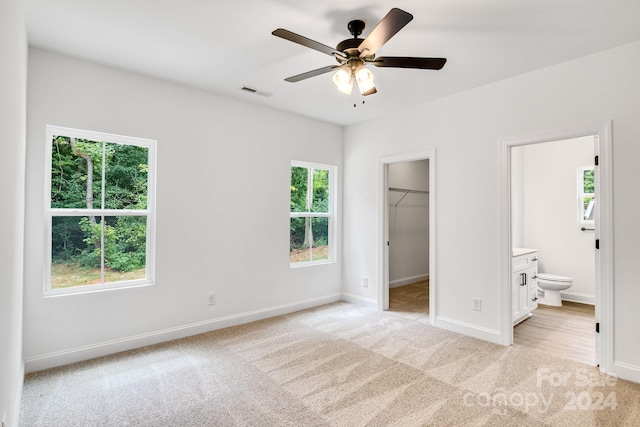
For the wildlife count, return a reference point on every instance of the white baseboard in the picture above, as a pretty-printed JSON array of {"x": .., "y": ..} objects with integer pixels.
[
  {"x": 469, "y": 329},
  {"x": 581, "y": 298},
  {"x": 77, "y": 354},
  {"x": 407, "y": 280},
  {"x": 356, "y": 299},
  {"x": 627, "y": 371}
]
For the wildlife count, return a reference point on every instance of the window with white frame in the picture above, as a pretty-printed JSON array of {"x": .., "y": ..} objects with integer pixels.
[
  {"x": 99, "y": 210},
  {"x": 586, "y": 195},
  {"x": 312, "y": 213}
]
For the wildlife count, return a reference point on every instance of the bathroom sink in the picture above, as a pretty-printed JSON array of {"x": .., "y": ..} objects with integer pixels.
[{"x": 522, "y": 251}]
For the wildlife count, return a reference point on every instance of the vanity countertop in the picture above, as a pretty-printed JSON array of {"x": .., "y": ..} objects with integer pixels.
[{"x": 523, "y": 251}]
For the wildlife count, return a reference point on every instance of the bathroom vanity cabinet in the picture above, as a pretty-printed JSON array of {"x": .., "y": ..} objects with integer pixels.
[{"x": 524, "y": 286}]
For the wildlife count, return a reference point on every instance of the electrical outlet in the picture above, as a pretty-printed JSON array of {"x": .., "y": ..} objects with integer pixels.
[
  {"x": 365, "y": 282},
  {"x": 477, "y": 304},
  {"x": 212, "y": 299}
]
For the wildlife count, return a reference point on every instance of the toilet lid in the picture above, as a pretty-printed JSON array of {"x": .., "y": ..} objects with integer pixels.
[{"x": 554, "y": 277}]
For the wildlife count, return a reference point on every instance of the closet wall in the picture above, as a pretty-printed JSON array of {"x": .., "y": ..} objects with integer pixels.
[{"x": 408, "y": 222}]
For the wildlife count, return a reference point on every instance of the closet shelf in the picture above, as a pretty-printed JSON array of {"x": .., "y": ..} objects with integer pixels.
[{"x": 406, "y": 191}]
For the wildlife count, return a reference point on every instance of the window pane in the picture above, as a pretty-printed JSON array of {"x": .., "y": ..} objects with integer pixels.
[
  {"x": 75, "y": 251},
  {"x": 126, "y": 176},
  {"x": 320, "y": 191},
  {"x": 320, "y": 246},
  {"x": 298, "y": 248},
  {"x": 298, "y": 189},
  {"x": 76, "y": 173},
  {"x": 309, "y": 239},
  {"x": 125, "y": 239},
  {"x": 588, "y": 211},
  {"x": 587, "y": 181},
  {"x": 586, "y": 189}
]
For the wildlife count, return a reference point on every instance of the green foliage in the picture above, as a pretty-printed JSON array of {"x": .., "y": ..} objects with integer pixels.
[
  {"x": 302, "y": 228},
  {"x": 78, "y": 240},
  {"x": 126, "y": 177},
  {"x": 67, "y": 239},
  {"x": 125, "y": 243},
  {"x": 320, "y": 191},
  {"x": 296, "y": 233},
  {"x": 587, "y": 181},
  {"x": 89, "y": 256},
  {"x": 69, "y": 173},
  {"x": 298, "y": 189}
]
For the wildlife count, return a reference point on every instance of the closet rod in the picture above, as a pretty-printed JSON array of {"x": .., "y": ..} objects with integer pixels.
[{"x": 406, "y": 191}]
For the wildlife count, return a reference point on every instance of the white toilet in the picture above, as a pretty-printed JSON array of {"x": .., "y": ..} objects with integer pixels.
[{"x": 552, "y": 284}]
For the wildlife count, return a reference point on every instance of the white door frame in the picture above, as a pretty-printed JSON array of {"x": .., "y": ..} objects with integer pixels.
[
  {"x": 383, "y": 227},
  {"x": 603, "y": 232}
]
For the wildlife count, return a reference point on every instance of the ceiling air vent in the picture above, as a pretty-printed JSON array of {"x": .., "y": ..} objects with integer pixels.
[{"x": 256, "y": 91}]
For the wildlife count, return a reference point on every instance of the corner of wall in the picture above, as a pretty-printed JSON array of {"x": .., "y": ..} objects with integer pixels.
[{"x": 13, "y": 86}]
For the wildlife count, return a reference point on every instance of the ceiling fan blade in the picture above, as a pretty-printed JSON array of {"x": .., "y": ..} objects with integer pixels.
[
  {"x": 388, "y": 26},
  {"x": 313, "y": 73},
  {"x": 304, "y": 41},
  {"x": 409, "y": 62}
]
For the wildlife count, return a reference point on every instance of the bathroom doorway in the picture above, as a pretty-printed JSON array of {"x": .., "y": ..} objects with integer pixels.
[
  {"x": 560, "y": 227},
  {"x": 554, "y": 216},
  {"x": 407, "y": 247}
]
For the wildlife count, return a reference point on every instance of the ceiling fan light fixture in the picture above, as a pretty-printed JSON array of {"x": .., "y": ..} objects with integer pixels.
[
  {"x": 343, "y": 79},
  {"x": 364, "y": 78},
  {"x": 370, "y": 91}
]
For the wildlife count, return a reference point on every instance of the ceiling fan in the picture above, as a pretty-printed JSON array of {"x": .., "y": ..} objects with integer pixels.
[{"x": 354, "y": 54}]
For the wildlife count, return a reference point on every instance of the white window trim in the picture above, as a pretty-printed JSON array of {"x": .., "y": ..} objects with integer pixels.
[
  {"x": 582, "y": 194},
  {"x": 331, "y": 214},
  {"x": 49, "y": 212}
]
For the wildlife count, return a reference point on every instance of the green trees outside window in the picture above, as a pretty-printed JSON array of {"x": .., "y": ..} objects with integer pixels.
[
  {"x": 98, "y": 213},
  {"x": 310, "y": 222},
  {"x": 586, "y": 194}
]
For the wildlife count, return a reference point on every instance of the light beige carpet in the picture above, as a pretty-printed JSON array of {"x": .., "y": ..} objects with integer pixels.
[{"x": 337, "y": 365}]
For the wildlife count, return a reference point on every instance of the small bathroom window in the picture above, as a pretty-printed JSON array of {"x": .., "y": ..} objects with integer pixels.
[{"x": 586, "y": 195}]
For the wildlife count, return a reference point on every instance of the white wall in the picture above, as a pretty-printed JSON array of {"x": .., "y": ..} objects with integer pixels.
[
  {"x": 408, "y": 223},
  {"x": 466, "y": 131},
  {"x": 13, "y": 87},
  {"x": 551, "y": 213},
  {"x": 222, "y": 210}
]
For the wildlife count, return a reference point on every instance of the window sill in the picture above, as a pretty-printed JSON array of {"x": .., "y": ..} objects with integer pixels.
[
  {"x": 92, "y": 289},
  {"x": 310, "y": 263}
]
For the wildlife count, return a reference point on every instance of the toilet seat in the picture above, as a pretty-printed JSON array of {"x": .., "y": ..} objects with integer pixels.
[
  {"x": 551, "y": 285},
  {"x": 553, "y": 278}
]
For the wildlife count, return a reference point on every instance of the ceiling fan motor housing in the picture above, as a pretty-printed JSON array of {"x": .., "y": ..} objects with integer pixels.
[
  {"x": 350, "y": 46},
  {"x": 356, "y": 27}
]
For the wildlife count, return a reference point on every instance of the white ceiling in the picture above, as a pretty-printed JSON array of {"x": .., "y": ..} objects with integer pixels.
[{"x": 222, "y": 45}]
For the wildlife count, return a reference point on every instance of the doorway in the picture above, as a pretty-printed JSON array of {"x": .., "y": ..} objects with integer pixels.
[
  {"x": 600, "y": 230},
  {"x": 552, "y": 220},
  {"x": 407, "y": 248}
]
